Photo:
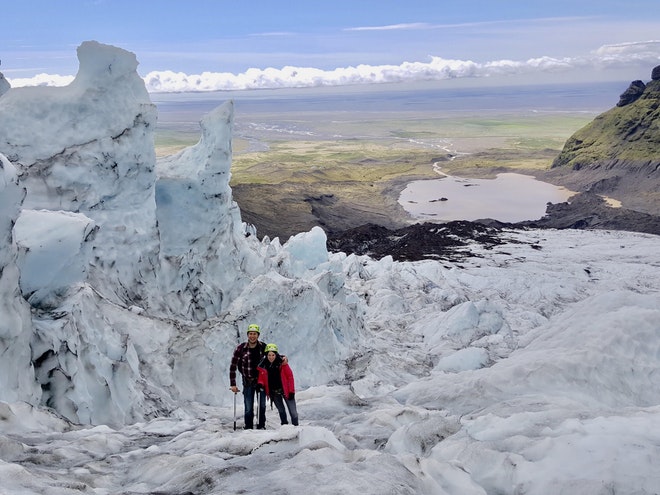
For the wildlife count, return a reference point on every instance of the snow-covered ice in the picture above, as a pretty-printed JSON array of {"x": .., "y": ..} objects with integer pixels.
[{"x": 529, "y": 368}]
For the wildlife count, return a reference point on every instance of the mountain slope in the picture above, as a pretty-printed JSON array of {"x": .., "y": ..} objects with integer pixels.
[{"x": 618, "y": 153}]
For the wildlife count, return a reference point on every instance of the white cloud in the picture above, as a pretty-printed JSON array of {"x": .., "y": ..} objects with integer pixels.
[
  {"x": 644, "y": 55},
  {"x": 274, "y": 33},
  {"x": 391, "y": 27},
  {"x": 41, "y": 80},
  {"x": 640, "y": 50}
]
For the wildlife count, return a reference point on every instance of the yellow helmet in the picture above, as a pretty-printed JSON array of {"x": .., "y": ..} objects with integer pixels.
[
  {"x": 271, "y": 348},
  {"x": 254, "y": 328}
]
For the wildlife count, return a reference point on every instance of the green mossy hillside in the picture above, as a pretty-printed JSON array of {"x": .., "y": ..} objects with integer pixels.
[{"x": 624, "y": 136}]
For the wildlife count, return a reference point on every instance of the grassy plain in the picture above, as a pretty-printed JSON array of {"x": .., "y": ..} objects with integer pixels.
[{"x": 347, "y": 170}]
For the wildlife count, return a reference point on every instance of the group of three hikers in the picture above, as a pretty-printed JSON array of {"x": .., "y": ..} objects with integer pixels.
[{"x": 265, "y": 372}]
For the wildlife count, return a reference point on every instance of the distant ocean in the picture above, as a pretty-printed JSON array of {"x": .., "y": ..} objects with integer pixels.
[{"x": 183, "y": 111}]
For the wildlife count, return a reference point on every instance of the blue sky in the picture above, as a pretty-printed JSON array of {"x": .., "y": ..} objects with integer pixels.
[{"x": 465, "y": 39}]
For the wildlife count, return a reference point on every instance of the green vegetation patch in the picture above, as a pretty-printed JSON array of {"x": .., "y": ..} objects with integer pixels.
[
  {"x": 331, "y": 161},
  {"x": 391, "y": 148},
  {"x": 630, "y": 133}
]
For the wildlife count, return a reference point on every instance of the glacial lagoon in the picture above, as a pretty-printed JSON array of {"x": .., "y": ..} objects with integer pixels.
[{"x": 509, "y": 197}]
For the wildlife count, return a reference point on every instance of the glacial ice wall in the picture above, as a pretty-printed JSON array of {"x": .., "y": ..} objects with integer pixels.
[
  {"x": 4, "y": 84},
  {"x": 88, "y": 148},
  {"x": 17, "y": 380},
  {"x": 205, "y": 255},
  {"x": 142, "y": 281}
]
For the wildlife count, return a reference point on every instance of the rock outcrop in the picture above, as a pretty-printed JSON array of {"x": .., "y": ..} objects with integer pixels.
[
  {"x": 634, "y": 91},
  {"x": 655, "y": 74}
]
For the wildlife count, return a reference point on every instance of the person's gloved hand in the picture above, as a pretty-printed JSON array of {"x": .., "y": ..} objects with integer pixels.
[{"x": 292, "y": 396}]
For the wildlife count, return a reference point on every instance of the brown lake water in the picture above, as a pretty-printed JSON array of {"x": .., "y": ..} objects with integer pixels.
[{"x": 508, "y": 198}]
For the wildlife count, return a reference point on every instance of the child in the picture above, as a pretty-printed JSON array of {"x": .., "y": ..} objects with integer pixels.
[{"x": 276, "y": 378}]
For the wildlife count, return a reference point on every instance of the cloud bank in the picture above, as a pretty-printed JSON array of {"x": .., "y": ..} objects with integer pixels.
[{"x": 608, "y": 57}]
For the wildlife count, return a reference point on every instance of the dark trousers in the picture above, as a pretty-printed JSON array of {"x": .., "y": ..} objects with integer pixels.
[
  {"x": 279, "y": 401},
  {"x": 249, "y": 392}
]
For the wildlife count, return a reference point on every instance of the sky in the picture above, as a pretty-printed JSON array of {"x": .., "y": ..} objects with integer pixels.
[{"x": 381, "y": 41}]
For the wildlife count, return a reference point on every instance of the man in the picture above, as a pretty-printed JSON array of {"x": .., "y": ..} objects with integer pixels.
[{"x": 246, "y": 358}]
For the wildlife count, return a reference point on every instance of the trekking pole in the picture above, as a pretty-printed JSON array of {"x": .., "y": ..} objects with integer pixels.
[
  {"x": 234, "y": 411},
  {"x": 258, "y": 404}
]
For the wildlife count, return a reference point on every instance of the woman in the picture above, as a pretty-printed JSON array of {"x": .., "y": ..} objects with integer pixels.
[{"x": 276, "y": 378}]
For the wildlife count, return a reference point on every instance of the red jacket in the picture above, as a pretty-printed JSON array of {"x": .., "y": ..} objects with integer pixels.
[{"x": 288, "y": 386}]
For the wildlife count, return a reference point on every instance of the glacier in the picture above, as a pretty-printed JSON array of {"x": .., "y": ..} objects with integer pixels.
[{"x": 127, "y": 280}]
